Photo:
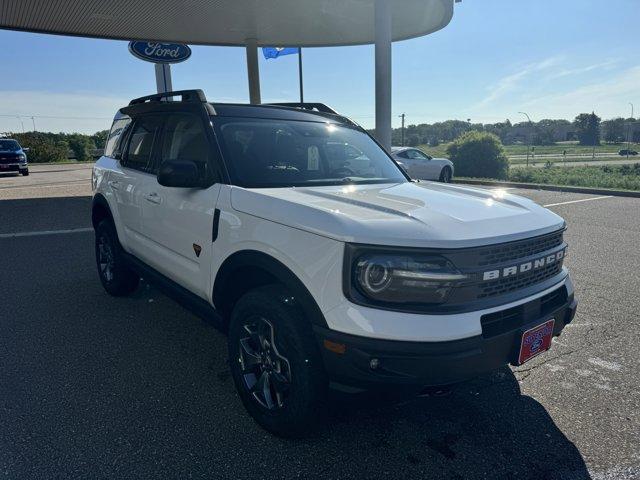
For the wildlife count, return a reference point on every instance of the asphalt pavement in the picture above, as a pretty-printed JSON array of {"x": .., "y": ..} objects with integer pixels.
[{"x": 97, "y": 387}]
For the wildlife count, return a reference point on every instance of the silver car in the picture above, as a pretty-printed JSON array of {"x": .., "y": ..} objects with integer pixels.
[{"x": 421, "y": 166}]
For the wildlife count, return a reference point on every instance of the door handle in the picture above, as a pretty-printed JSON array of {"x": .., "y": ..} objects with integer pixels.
[
  {"x": 114, "y": 184},
  {"x": 153, "y": 197}
]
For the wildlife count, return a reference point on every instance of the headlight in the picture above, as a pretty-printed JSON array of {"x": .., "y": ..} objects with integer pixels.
[
  {"x": 22, "y": 158},
  {"x": 404, "y": 278}
]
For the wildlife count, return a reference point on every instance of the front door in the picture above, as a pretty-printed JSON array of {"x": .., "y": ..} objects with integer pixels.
[
  {"x": 178, "y": 222},
  {"x": 421, "y": 165}
]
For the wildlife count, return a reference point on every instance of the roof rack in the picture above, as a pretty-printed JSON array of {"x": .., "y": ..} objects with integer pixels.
[
  {"x": 191, "y": 96},
  {"x": 319, "y": 107}
]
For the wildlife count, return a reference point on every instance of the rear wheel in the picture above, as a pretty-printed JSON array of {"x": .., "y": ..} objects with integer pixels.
[
  {"x": 116, "y": 276},
  {"x": 275, "y": 363},
  {"x": 445, "y": 175}
]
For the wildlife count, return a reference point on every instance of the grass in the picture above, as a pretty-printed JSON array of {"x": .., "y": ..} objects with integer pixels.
[{"x": 624, "y": 177}]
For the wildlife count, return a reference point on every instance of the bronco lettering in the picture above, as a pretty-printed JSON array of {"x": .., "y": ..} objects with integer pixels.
[{"x": 523, "y": 267}]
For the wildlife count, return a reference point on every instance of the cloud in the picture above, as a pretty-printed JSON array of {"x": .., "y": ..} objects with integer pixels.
[
  {"x": 608, "y": 98},
  {"x": 84, "y": 112},
  {"x": 512, "y": 82},
  {"x": 608, "y": 65}
]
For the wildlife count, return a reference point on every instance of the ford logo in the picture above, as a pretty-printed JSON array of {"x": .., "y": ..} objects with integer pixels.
[{"x": 157, "y": 52}]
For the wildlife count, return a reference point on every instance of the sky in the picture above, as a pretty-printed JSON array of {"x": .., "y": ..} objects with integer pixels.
[{"x": 549, "y": 58}]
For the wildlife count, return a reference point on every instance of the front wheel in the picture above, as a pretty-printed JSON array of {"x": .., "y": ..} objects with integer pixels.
[
  {"x": 275, "y": 363},
  {"x": 25, "y": 172},
  {"x": 445, "y": 175}
]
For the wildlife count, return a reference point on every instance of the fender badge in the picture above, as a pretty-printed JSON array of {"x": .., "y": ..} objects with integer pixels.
[{"x": 197, "y": 248}]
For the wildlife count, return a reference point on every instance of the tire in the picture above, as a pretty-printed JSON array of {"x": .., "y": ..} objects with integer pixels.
[
  {"x": 294, "y": 401},
  {"x": 25, "y": 173},
  {"x": 116, "y": 276},
  {"x": 446, "y": 175}
]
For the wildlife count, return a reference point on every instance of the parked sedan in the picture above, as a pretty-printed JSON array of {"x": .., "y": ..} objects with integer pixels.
[
  {"x": 13, "y": 158},
  {"x": 421, "y": 166},
  {"x": 624, "y": 152}
]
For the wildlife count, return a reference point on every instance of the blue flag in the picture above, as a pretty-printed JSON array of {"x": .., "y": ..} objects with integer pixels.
[{"x": 275, "y": 52}]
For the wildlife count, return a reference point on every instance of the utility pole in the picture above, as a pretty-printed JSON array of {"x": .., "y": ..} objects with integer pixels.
[
  {"x": 629, "y": 131},
  {"x": 402, "y": 130},
  {"x": 34, "y": 123},
  {"x": 21, "y": 122},
  {"x": 528, "y": 136}
]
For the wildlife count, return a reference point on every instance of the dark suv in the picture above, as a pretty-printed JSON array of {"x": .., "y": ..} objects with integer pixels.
[{"x": 13, "y": 158}]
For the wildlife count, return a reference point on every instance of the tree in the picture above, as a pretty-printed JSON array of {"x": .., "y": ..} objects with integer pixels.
[
  {"x": 478, "y": 154},
  {"x": 588, "y": 128},
  {"x": 100, "y": 138},
  {"x": 613, "y": 130},
  {"x": 81, "y": 146}
]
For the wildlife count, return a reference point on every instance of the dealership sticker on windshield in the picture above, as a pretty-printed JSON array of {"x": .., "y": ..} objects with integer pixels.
[{"x": 535, "y": 341}]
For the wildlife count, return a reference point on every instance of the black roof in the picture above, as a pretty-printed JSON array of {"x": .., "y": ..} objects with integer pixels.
[
  {"x": 309, "y": 112},
  {"x": 276, "y": 112}
]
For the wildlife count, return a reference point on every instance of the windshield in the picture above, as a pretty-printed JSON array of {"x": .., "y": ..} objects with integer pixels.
[
  {"x": 9, "y": 145},
  {"x": 288, "y": 153}
]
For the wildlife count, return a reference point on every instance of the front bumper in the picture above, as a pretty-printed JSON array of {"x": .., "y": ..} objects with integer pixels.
[
  {"x": 13, "y": 167},
  {"x": 360, "y": 363}
]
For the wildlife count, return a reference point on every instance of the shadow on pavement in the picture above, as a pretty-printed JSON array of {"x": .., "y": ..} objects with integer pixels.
[
  {"x": 482, "y": 429},
  {"x": 47, "y": 213}
]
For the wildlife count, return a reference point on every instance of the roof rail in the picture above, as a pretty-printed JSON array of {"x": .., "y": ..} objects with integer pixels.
[
  {"x": 192, "y": 96},
  {"x": 319, "y": 107}
]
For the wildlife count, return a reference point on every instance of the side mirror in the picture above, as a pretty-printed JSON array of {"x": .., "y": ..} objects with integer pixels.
[
  {"x": 179, "y": 173},
  {"x": 25, "y": 149}
]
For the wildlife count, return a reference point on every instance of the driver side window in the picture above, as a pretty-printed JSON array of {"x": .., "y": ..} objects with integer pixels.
[
  {"x": 184, "y": 139},
  {"x": 417, "y": 155}
]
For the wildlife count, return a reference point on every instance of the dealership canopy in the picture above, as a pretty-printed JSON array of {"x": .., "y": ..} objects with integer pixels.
[{"x": 251, "y": 23}]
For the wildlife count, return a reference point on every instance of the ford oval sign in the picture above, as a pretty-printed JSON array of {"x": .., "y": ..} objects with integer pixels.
[{"x": 157, "y": 52}]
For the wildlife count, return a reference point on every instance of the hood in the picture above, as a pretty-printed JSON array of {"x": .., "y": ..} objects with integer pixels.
[{"x": 406, "y": 214}]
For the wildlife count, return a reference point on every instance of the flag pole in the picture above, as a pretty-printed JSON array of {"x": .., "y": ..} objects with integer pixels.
[{"x": 300, "y": 74}]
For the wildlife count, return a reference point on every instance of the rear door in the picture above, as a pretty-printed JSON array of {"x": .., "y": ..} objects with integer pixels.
[
  {"x": 178, "y": 222},
  {"x": 126, "y": 181}
]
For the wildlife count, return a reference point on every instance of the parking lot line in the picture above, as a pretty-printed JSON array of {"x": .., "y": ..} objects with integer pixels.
[
  {"x": 45, "y": 232},
  {"x": 577, "y": 201}
]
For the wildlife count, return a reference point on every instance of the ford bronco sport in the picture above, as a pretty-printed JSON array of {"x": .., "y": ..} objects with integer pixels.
[{"x": 326, "y": 270}]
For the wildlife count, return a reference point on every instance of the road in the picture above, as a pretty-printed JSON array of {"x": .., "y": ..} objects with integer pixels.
[
  {"x": 97, "y": 387},
  {"x": 559, "y": 163}
]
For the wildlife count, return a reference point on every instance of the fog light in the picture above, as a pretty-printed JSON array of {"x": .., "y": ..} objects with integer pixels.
[{"x": 374, "y": 363}]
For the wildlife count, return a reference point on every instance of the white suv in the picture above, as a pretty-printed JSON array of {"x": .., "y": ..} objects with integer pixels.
[{"x": 327, "y": 269}]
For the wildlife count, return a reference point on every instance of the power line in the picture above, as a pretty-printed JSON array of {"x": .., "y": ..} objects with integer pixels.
[{"x": 55, "y": 117}]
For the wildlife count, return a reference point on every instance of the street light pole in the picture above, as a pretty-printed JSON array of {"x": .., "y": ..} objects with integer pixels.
[
  {"x": 528, "y": 136},
  {"x": 34, "y": 123}
]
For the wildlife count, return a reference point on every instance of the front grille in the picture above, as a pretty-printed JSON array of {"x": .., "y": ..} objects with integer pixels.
[
  {"x": 497, "y": 323},
  {"x": 521, "y": 249},
  {"x": 475, "y": 262},
  {"x": 509, "y": 284},
  {"x": 8, "y": 160}
]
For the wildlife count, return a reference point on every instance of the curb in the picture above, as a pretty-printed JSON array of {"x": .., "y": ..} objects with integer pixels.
[{"x": 553, "y": 188}]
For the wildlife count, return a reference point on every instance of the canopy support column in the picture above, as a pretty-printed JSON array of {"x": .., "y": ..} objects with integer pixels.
[
  {"x": 383, "y": 72},
  {"x": 253, "y": 71},
  {"x": 163, "y": 77}
]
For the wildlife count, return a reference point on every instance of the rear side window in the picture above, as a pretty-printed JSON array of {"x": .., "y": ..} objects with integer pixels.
[
  {"x": 139, "y": 154},
  {"x": 113, "y": 146}
]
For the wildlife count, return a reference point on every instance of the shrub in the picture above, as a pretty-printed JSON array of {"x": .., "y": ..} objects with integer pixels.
[
  {"x": 478, "y": 154},
  {"x": 43, "y": 147}
]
